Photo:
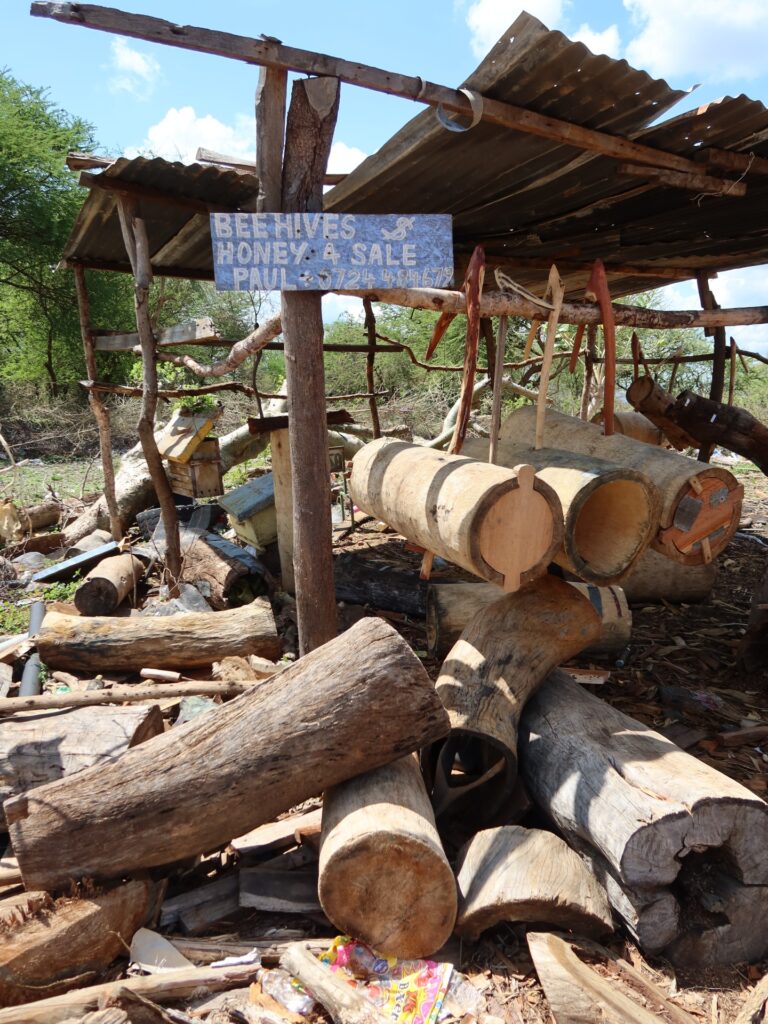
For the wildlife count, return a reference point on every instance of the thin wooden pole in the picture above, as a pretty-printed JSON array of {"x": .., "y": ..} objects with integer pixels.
[
  {"x": 719, "y": 353},
  {"x": 589, "y": 364},
  {"x": 137, "y": 246},
  {"x": 97, "y": 404},
  {"x": 370, "y": 327},
  {"x": 556, "y": 291},
  {"x": 732, "y": 374},
  {"x": 498, "y": 374},
  {"x": 311, "y": 121}
]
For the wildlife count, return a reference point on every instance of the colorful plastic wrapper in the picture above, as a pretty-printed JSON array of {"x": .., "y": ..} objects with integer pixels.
[{"x": 404, "y": 991}]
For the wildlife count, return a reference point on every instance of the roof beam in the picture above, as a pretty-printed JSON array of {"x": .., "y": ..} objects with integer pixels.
[
  {"x": 675, "y": 179},
  {"x": 150, "y": 194},
  {"x": 269, "y": 52}
]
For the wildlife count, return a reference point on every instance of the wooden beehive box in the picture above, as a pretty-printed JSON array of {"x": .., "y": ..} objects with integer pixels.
[
  {"x": 201, "y": 476},
  {"x": 251, "y": 511}
]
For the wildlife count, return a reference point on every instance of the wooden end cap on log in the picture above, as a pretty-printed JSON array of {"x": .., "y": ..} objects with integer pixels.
[
  {"x": 504, "y": 653},
  {"x": 359, "y": 701},
  {"x": 452, "y": 605},
  {"x": 611, "y": 512},
  {"x": 700, "y": 504},
  {"x": 526, "y": 875},
  {"x": 39, "y": 747},
  {"x": 70, "y": 942},
  {"x": 85, "y": 644},
  {"x": 108, "y": 584},
  {"x": 384, "y": 877},
  {"x": 503, "y": 525}
]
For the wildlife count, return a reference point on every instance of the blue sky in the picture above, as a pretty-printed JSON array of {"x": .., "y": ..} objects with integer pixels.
[{"x": 142, "y": 97}]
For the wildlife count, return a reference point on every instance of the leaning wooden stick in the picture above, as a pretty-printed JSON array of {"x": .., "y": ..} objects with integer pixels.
[
  {"x": 556, "y": 292},
  {"x": 498, "y": 372}
]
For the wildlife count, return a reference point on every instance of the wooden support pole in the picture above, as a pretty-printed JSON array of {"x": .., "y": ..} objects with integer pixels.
[
  {"x": 719, "y": 352},
  {"x": 311, "y": 121},
  {"x": 498, "y": 372},
  {"x": 98, "y": 407},
  {"x": 270, "y": 136},
  {"x": 137, "y": 246},
  {"x": 370, "y": 328}
]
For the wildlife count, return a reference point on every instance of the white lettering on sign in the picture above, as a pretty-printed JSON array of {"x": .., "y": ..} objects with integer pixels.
[{"x": 323, "y": 251}]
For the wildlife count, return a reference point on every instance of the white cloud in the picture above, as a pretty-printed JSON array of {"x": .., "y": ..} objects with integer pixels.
[
  {"x": 179, "y": 133},
  {"x": 715, "y": 41},
  {"x": 487, "y": 19},
  {"x": 607, "y": 41},
  {"x": 133, "y": 72},
  {"x": 335, "y": 305},
  {"x": 344, "y": 158},
  {"x": 732, "y": 288}
]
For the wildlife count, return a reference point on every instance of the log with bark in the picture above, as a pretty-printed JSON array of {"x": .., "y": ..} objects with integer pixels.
[
  {"x": 503, "y": 655},
  {"x": 633, "y": 424},
  {"x": 698, "y": 420},
  {"x": 500, "y": 524},
  {"x": 452, "y": 605},
  {"x": 610, "y": 512},
  {"x": 358, "y": 580},
  {"x": 359, "y": 701},
  {"x": 700, "y": 504},
  {"x": 526, "y": 875},
  {"x": 38, "y": 517},
  {"x": 660, "y": 820},
  {"x": 166, "y": 641},
  {"x": 39, "y": 747},
  {"x": 68, "y": 943},
  {"x": 108, "y": 584},
  {"x": 657, "y": 578},
  {"x": 216, "y": 565},
  {"x": 167, "y": 987},
  {"x": 384, "y": 877}
]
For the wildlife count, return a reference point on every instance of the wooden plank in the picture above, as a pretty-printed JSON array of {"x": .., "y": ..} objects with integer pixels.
[
  {"x": 274, "y": 424},
  {"x": 279, "y": 891},
  {"x": 677, "y": 179},
  {"x": 191, "y": 332},
  {"x": 78, "y": 563},
  {"x": 182, "y": 435},
  {"x": 268, "y": 52},
  {"x": 283, "y": 483},
  {"x": 277, "y": 835},
  {"x": 311, "y": 122},
  {"x": 193, "y": 911}
]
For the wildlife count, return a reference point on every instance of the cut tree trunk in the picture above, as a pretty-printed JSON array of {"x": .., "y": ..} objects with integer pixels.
[
  {"x": 655, "y": 824},
  {"x": 656, "y": 578},
  {"x": 384, "y": 877},
  {"x": 108, "y": 584},
  {"x": 700, "y": 505},
  {"x": 200, "y": 785},
  {"x": 358, "y": 580},
  {"x": 503, "y": 655},
  {"x": 500, "y": 524},
  {"x": 649, "y": 399},
  {"x": 69, "y": 943},
  {"x": 451, "y": 606},
  {"x": 635, "y": 425},
  {"x": 39, "y": 747},
  {"x": 37, "y": 517},
  {"x": 703, "y": 420},
  {"x": 214, "y": 565},
  {"x": 526, "y": 875},
  {"x": 611, "y": 513},
  {"x": 165, "y": 641}
]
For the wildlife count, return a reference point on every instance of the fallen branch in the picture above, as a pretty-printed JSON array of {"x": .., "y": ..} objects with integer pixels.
[{"x": 123, "y": 695}]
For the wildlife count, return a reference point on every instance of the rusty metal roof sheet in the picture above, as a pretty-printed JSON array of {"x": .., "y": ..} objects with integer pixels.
[{"x": 528, "y": 200}]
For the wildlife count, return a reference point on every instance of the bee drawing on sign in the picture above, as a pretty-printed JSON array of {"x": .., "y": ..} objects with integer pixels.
[{"x": 400, "y": 231}]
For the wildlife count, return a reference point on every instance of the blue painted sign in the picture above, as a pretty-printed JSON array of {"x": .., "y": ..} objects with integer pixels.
[{"x": 326, "y": 251}]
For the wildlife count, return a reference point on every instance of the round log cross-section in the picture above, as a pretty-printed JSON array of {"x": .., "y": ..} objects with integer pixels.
[{"x": 503, "y": 525}]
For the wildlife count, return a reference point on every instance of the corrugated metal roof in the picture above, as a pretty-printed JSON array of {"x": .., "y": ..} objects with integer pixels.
[
  {"x": 179, "y": 237},
  {"x": 528, "y": 200}
]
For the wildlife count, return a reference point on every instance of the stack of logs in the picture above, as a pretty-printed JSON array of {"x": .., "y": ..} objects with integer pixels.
[{"x": 424, "y": 786}]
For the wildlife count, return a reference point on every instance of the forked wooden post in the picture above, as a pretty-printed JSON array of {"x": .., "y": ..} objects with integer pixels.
[
  {"x": 97, "y": 404},
  {"x": 311, "y": 121}
]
